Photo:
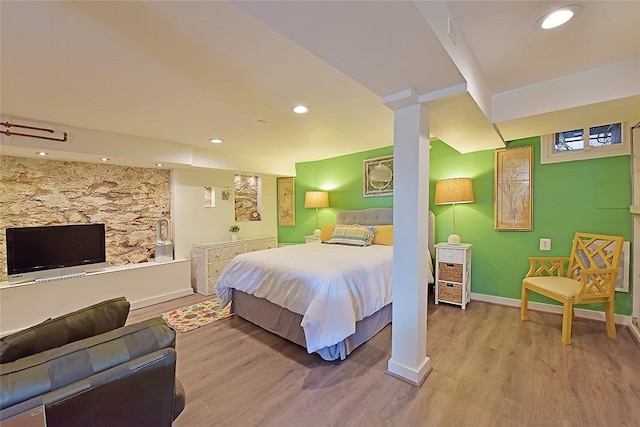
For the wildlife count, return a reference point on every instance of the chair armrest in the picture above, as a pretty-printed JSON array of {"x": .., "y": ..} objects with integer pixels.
[
  {"x": 547, "y": 266},
  {"x": 596, "y": 282}
]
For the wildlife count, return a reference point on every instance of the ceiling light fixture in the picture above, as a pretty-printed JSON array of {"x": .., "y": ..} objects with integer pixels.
[
  {"x": 42, "y": 153},
  {"x": 300, "y": 109},
  {"x": 216, "y": 140},
  {"x": 159, "y": 165},
  {"x": 557, "y": 17},
  {"x": 104, "y": 159}
]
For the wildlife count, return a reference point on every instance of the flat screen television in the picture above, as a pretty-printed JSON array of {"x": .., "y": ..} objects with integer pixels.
[{"x": 35, "y": 253}]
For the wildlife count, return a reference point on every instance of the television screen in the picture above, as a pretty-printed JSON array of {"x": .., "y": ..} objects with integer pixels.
[{"x": 38, "y": 252}]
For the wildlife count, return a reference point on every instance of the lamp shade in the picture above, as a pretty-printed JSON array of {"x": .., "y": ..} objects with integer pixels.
[
  {"x": 316, "y": 199},
  {"x": 454, "y": 190}
]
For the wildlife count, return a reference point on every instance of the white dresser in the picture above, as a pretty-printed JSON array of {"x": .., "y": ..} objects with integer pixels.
[{"x": 208, "y": 260}]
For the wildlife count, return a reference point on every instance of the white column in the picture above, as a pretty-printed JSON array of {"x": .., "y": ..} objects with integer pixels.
[{"x": 409, "y": 360}]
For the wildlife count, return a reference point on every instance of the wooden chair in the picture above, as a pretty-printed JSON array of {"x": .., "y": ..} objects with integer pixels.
[{"x": 587, "y": 276}]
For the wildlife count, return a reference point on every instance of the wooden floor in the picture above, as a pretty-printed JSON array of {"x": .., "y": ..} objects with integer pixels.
[{"x": 489, "y": 369}]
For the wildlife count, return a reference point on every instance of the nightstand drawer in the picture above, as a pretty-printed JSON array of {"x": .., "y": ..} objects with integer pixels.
[
  {"x": 450, "y": 256},
  {"x": 450, "y": 272},
  {"x": 450, "y": 292}
]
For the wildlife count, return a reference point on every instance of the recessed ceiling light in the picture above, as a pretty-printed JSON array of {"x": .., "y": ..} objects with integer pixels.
[
  {"x": 159, "y": 165},
  {"x": 104, "y": 159},
  {"x": 216, "y": 140},
  {"x": 300, "y": 109},
  {"x": 557, "y": 17},
  {"x": 42, "y": 153}
]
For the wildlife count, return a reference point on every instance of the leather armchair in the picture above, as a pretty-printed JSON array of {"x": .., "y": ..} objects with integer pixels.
[{"x": 122, "y": 377}]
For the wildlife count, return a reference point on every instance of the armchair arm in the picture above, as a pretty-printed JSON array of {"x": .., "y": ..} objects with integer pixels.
[
  {"x": 547, "y": 266},
  {"x": 596, "y": 283}
]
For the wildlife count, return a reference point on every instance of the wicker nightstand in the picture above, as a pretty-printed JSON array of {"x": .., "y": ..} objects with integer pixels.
[{"x": 453, "y": 274}]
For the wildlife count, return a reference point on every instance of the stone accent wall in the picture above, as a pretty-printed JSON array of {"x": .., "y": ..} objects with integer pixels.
[{"x": 129, "y": 201}]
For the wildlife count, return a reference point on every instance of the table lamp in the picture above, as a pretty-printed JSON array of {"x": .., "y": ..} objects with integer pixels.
[
  {"x": 450, "y": 192},
  {"x": 316, "y": 199}
]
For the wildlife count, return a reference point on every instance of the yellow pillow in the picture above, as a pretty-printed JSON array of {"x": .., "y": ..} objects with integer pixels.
[
  {"x": 326, "y": 232},
  {"x": 384, "y": 235}
]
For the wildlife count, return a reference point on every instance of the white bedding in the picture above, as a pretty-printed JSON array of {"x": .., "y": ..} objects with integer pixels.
[{"x": 331, "y": 286}]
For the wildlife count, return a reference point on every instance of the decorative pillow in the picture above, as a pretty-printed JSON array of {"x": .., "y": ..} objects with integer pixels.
[
  {"x": 326, "y": 232},
  {"x": 352, "y": 235},
  {"x": 89, "y": 321},
  {"x": 384, "y": 235}
]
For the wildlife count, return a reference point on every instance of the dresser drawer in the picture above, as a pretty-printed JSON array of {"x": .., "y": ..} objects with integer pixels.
[
  {"x": 216, "y": 268},
  {"x": 261, "y": 245},
  {"x": 225, "y": 252}
]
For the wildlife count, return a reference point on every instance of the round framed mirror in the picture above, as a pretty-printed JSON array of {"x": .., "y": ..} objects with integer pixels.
[{"x": 380, "y": 176}]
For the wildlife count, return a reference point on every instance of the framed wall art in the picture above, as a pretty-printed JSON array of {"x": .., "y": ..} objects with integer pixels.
[
  {"x": 286, "y": 202},
  {"x": 513, "y": 189},
  {"x": 378, "y": 176},
  {"x": 247, "y": 197}
]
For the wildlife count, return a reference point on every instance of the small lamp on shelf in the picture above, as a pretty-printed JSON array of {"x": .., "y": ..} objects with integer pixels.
[
  {"x": 316, "y": 199},
  {"x": 450, "y": 192}
]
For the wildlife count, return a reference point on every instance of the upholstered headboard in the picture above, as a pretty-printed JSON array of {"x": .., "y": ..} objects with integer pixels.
[
  {"x": 382, "y": 216},
  {"x": 372, "y": 216}
]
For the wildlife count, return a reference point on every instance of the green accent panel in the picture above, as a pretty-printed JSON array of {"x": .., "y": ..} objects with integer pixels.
[
  {"x": 342, "y": 178},
  {"x": 586, "y": 195}
]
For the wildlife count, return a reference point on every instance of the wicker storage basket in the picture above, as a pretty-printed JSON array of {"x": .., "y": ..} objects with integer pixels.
[
  {"x": 450, "y": 292},
  {"x": 450, "y": 272}
]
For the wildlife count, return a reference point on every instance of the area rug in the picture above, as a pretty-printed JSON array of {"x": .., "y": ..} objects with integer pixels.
[{"x": 192, "y": 317}]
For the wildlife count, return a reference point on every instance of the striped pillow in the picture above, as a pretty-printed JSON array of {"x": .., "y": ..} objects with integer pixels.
[{"x": 352, "y": 235}]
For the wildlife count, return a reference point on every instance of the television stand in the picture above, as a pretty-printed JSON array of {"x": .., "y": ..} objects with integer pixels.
[{"x": 63, "y": 277}]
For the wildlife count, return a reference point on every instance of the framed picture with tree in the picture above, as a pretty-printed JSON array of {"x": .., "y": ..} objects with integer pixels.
[{"x": 513, "y": 189}]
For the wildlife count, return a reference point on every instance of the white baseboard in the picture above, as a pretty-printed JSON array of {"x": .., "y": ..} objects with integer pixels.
[
  {"x": 160, "y": 298},
  {"x": 549, "y": 308}
]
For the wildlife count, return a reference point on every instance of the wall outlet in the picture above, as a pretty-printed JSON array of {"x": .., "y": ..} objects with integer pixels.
[{"x": 545, "y": 244}]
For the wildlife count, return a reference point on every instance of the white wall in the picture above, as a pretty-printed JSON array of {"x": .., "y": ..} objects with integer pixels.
[{"x": 193, "y": 223}]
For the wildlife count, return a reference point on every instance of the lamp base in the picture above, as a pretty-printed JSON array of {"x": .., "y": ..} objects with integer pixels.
[
  {"x": 316, "y": 232},
  {"x": 454, "y": 239}
]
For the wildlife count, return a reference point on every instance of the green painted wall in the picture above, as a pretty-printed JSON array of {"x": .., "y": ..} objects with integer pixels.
[
  {"x": 342, "y": 178},
  {"x": 586, "y": 195}
]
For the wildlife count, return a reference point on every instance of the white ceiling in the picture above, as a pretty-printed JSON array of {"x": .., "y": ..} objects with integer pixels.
[{"x": 173, "y": 74}]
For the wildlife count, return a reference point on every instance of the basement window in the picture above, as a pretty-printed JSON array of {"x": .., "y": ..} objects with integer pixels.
[{"x": 590, "y": 142}]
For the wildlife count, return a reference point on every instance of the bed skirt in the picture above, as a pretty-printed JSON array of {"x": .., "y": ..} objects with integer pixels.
[{"x": 286, "y": 324}]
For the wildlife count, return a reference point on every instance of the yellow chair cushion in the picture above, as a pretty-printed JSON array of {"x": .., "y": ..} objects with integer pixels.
[
  {"x": 326, "y": 232},
  {"x": 560, "y": 285},
  {"x": 384, "y": 235}
]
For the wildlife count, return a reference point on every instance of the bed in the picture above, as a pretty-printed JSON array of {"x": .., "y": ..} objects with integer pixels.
[{"x": 328, "y": 298}]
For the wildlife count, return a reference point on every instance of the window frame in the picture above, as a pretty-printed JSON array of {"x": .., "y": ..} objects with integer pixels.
[{"x": 549, "y": 155}]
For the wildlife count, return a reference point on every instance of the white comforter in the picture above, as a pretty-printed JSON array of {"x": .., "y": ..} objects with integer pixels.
[{"x": 331, "y": 286}]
